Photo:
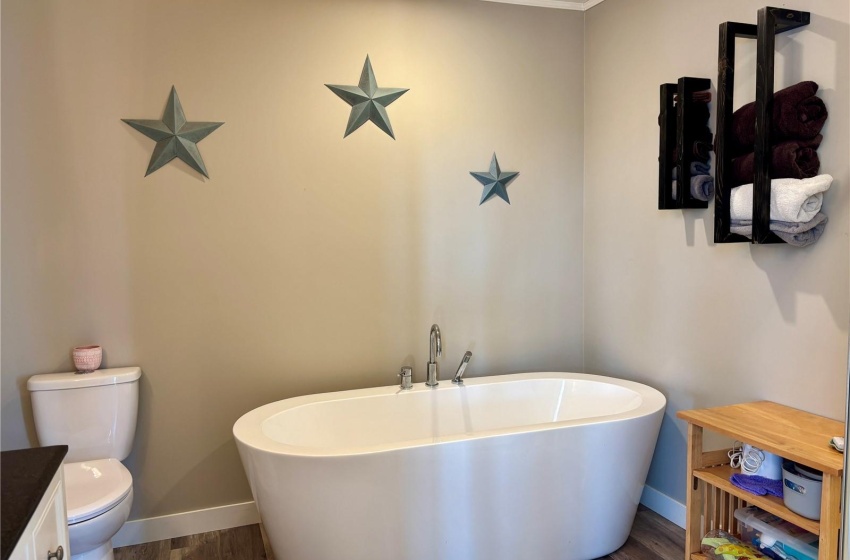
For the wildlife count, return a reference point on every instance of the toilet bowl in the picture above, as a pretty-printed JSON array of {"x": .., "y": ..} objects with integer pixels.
[{"x": 99, "y": 495}]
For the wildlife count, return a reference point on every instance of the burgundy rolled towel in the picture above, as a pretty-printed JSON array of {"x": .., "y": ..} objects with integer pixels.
[
  {"x": 702, "y": 151},
  {"x": 797, "y": 115},
  {"x": 701, "y": 148},
  {"x": 795, "y": 159}
]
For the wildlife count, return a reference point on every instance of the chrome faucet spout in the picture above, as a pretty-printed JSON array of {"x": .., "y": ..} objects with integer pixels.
[
  {"x": 435, "y": 351},
  {"x": 436, "y": 343},
  {"x": 462, "y": 368}
]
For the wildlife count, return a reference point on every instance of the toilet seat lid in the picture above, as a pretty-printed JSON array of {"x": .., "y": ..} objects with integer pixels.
[{"x": 94, "y": 487}]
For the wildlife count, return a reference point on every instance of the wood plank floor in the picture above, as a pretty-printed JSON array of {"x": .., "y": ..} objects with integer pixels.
[{"x": 652, "y": 538}]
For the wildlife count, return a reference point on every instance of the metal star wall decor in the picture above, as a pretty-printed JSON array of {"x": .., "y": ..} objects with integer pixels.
[
  {"x": 175, "y": 138},
  {"x": 368, "y": 101},
  {"x": 495, "y": 181}
]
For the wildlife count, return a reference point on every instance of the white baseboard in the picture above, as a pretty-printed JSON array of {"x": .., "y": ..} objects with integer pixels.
[
  {"x": 186, "y": 523},
  {"x": 664, "y": 505}
]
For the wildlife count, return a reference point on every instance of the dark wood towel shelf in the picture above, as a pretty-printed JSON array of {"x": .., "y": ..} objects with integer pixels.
[
  {"x": 771, "y": 21},
  {"x": 675, "y": 136}
]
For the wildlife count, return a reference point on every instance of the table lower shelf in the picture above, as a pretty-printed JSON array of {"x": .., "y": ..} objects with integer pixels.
[
  {"x": 698, "y": 556},
  {"x": 719, "y": 478}
]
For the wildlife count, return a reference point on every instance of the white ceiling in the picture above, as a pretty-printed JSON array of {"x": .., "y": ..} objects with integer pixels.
[{"x": 579, "y": 5}]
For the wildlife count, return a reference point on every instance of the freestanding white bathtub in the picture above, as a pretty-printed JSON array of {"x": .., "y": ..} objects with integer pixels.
[{"x": 536, "y": 466}]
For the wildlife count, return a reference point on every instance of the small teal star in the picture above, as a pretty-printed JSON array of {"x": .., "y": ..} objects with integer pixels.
[
  {"x": 495, "y": 181},
  {"x": 175, "y": 138},
  {"x": 368, "y": 101}
]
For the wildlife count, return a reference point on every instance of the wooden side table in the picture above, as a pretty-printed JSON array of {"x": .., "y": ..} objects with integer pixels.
[{"x": 790, "y": 433}]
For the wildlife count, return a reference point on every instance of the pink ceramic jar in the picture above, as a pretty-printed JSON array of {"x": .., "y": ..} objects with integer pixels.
[{"x": 87, "y": 358}]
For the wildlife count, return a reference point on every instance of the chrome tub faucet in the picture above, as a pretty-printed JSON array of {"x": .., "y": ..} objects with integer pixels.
[
  {"x": 462, "y": 368},
  {"x": 436, "y": 351}
]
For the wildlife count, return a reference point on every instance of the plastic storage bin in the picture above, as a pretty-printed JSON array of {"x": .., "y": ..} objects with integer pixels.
[
  {"x": 776, "y": 537},
  {"x": 802, "y": 489}
]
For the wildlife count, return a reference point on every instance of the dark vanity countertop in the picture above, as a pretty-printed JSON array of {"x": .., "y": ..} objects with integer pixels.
[{"x": 25, "y": 475}]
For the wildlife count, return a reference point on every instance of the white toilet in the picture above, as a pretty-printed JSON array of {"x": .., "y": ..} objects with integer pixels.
[{"x": 94, "y": 414}]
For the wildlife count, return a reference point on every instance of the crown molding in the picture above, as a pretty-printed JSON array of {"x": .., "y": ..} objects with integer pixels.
[
  {"x": 558, "y": 4},
  {"x": 591, "y": 3}
]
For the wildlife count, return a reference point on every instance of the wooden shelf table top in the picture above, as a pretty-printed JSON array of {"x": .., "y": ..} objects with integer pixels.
[{"x": 790, "y": 433}]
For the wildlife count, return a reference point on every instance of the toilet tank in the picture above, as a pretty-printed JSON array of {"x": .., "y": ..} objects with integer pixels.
[{"x": 94, "y": 414}]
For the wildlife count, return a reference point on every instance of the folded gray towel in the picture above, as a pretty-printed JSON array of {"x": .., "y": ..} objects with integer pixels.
[
  {"x": 702, "y": 184},
  {"x": 799, "y": 234},
  {"x": 702, "y": 187},
  {"x": 791, "y": 200},
  {"x": 700, "y": 168},
  {"x": 697, "y": 168}
]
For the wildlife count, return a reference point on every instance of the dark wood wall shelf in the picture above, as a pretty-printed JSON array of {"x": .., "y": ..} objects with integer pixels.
[
  {"x": 675, "y": 136},
  {"x": 771, "y": 21}
]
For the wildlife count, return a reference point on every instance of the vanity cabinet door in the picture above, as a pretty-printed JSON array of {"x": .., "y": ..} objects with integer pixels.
[
  {"x": 47, "y": 531},
  {"x": 52, "y": 531}
]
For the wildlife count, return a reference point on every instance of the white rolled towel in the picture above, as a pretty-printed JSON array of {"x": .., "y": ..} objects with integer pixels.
[{"x": 791, "y": 200}]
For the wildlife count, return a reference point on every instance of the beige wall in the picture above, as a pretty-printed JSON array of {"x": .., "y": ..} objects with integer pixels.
[
  {"x": 311, "y": 263},
  {"x": 706, "y": 324},
  {"x": 308, "y": 263}
]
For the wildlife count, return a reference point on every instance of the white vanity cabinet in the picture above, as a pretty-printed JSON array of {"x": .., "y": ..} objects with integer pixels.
[
  {"x": 34, "y": 523},
  {"x": 46, "y": 534}
]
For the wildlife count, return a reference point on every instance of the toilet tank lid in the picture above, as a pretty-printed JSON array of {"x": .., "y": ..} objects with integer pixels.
[{"x": 72, "y": 380}]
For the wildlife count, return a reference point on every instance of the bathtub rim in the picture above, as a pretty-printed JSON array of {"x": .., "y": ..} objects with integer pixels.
[{"x": 247, "y": 430}]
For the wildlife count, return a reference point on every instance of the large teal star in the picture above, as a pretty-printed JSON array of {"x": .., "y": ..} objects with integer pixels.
[
  {"x": 175, "y": 138},
  {"x": 368, "y": 101},
  {"x": 495, "y": 181}
]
